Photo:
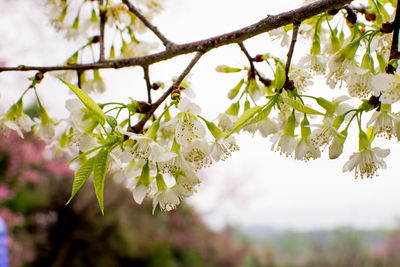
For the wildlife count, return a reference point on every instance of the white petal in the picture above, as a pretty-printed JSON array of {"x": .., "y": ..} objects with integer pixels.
[
  {"x": 351, "y": 163},
  {"x": 139, "y": 193},
  {"x": 382, "y": 153}
]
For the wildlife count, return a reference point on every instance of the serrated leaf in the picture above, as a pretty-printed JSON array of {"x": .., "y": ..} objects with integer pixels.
[
  {"x": 111, "y": 121},
  {"x": 99, "y": 175},
  {"x": 262, "y": 115},
  {"x": 81, "y": 177},
  {"x": 297, "y": 105},
  {"x": 88, "y": 102},
  {"x": 246, "y": 116}
]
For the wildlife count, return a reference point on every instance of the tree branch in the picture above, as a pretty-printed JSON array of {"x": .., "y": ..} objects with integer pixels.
[
  {"x": 296, "y": 26},
  {"x": 167, "y": 43},
  {"x": 139, "y": 126},
  {"x": 394, "y": 49},
  {"x": 246, "y": 53},
  {"x": 264, "y": 25}
]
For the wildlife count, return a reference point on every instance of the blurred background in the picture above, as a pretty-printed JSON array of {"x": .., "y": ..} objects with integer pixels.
[{"x": 255, "y": 209}]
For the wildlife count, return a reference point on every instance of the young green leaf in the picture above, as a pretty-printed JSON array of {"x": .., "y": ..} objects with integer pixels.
[
  {"x": 280, "y": 76},
  {"x": 111, "y": 121},
  {"x": 88, "y": 102},
  {"x": 262, "y": 115},
  {"x": 99, "y": 175},
  {"x": 246, "y": 116},
  {"x": 81, "y": 177},
  {"x": 297, "y": 105}
]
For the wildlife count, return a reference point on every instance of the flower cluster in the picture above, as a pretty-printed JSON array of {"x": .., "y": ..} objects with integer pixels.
[{"x": 157, "y": 153}]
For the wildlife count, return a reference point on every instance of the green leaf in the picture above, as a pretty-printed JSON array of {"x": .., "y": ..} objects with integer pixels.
[
  {"x": 280, "y": 76},
  {"x": 297, "y": 105},
  {"x": 88, "y": 102},
  {"x": 99, "y": 175},
  {"x": 246, "y": 116},
  {"x": 81, "y": 177},
  {"x": 111, "y": 121},
  {"x": 262, "y": 115}
]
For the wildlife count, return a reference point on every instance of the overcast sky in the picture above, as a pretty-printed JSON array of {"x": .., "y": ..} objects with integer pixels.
[{"x": 255, "y": 186}]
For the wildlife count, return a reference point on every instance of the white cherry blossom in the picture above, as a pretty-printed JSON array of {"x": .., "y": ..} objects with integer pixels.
[{"x": 366, "y": 162}]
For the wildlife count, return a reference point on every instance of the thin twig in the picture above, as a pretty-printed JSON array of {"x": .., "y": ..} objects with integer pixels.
[
  {"x": 103, "y": 18},
  {"x": 296, "y": 26},
  {"x": 148, "y": 84},
  {"x": 79, "y": 75},
  {"x": 246, "y": 53},
  {"x": 265, "y": 25},
  {"x": 167, "y": 43},
  {"x": 139, "y": 126}
]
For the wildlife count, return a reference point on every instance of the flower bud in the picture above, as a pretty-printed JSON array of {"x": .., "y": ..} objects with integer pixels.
[
  {"x": 156, "y": 85},
  {"x": 95, "y": 39},
  {"x": 351, "y": 16},
  {"x": 374, "y": 101},
  {"x": 258, "y": 58},
  {"x": 289, "y": 85},
  {"x": 226, "y": 69},
  {"x": 370, "y": 16},
  {"x": 176, "y": 94},
  {"x": 333, "y": 12},
  {"x": 387, "y": 27},
  {"x": 39, "y": 76},
  {"x": 143, "y": 107}
]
